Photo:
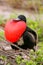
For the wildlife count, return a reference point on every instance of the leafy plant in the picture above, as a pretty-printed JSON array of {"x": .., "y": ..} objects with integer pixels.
[
  {"x": 18, "y": 59},
  {"x": 3, "y": 57}
]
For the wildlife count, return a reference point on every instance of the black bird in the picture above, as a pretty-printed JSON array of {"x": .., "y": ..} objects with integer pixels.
[{"x": 30, "y": 37}]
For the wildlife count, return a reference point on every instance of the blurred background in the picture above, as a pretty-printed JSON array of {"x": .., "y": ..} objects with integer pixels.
[{"x": 33, "y": 10}]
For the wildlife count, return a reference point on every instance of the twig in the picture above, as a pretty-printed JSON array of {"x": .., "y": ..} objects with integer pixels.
[{"x": 22, "y": 50}]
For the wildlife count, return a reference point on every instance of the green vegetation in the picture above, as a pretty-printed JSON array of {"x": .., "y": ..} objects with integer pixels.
[
  {"x": 4, "y": 59},
  {"x": 18, "y": 59},
  {"x": 2, "y": 33},
  {"x": 36, "y": 58},
  {"x": 1, "y": 19}
]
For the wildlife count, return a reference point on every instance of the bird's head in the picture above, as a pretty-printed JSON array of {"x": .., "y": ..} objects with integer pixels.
[{"x": 22, "y": 18}]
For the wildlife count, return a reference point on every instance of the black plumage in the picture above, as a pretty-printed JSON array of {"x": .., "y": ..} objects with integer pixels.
[{"x": 29, "y": 37}]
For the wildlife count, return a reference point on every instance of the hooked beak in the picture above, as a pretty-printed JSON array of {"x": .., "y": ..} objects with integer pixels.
[{"x": 17, "y": 19}]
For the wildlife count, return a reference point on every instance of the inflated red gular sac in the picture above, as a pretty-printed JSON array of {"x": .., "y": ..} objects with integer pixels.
[
  {"x": 14, "y": 30},
  {"x": 29, "y": 37}
]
